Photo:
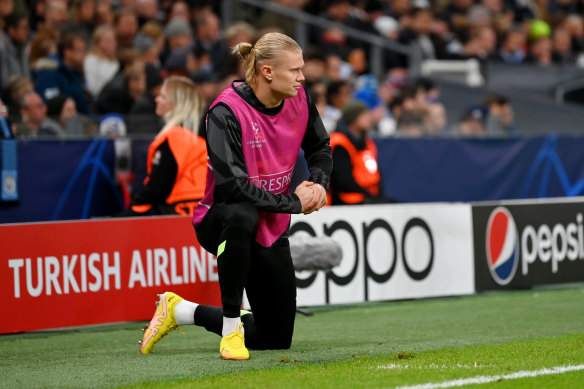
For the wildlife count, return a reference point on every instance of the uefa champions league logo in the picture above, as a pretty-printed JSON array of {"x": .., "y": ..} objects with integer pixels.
[{"x": 256, "y": 131}]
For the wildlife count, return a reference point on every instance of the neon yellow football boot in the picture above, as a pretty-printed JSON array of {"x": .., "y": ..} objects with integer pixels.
[
  {"x": 233, "y": 346},
  {"x": 162, "y": 323}
]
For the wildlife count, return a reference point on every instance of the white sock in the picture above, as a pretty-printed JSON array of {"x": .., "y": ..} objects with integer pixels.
[
  {"x": 230, "y": 324},
  {"x": 184, "y": 312}
]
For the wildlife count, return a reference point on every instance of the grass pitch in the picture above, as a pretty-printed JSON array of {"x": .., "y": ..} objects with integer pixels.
[{"x": 381, "y": 345}]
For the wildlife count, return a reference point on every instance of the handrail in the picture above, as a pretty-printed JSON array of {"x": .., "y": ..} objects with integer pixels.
[
  {"x": 378, "y": 43},
  {"x": 562, "y": 88}
]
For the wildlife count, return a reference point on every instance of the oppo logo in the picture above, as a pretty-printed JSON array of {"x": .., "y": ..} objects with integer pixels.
[{"x": 401, "y": 251}]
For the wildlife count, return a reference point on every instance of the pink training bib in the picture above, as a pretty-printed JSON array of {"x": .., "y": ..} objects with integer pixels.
[{"x": 270, "y": 147}]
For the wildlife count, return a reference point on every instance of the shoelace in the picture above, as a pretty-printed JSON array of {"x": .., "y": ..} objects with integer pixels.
[{"x": 236, "y": 338}]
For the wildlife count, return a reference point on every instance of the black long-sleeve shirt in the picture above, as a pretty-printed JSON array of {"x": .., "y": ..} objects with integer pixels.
[
  {"x": 161, "y": 179},
  {"x": 225, "y": 150}
]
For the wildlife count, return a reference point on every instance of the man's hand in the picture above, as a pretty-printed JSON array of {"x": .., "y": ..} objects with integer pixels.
[
  {"x": 318, "y": 199},
  {"x": 305, "y": 194}
]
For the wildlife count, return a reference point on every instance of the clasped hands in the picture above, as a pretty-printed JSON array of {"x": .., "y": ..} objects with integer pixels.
[{"x": 312, "y": 196}]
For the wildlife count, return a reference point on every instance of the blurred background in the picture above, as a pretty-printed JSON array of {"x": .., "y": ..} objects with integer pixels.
[{"x": 470, "y": 100}]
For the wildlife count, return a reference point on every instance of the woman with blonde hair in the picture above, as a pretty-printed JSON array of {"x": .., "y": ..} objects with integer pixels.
[
  {"x": 254, "y": 132},
  {"x": 177, "y": 158},
  {"x": 101, "y": 64}
]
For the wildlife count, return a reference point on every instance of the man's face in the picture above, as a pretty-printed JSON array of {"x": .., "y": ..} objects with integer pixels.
[
  {"x": 20, "y": 33},
  {"x": 364, "y": 121},
  {"x": 56, "y": 14},
  {"x": 75, "y": 56},
  {"x": 287, "y": 74},
  {"x": 36, "y": 109}
]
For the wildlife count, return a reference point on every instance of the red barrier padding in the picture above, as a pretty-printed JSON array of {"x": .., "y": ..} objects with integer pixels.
[{"x": 66, "y": 274}]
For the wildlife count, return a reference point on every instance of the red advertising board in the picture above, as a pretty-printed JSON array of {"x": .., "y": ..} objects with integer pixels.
[{"x": 65, "y": 274}]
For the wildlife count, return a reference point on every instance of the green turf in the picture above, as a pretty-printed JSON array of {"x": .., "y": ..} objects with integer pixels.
[
  {"x": 108, "y": 356},
  {"x": 411, "y": 368}
]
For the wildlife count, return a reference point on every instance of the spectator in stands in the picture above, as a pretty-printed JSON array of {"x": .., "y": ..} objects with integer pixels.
[
  {"x": 338, "y": 94},
  {"x": 55, "y": 16},
  {"x": 435, "y": 119},
  {"x": 540, "y": 51},
  {"x": 472, "y": 121},
  {"x": 179, "y": 9},
  {"x": 336, "y": 69},
  {"x": 397, "y": 9},
  {"x": 418, "y": 35},
  {"x": 357, "y": 58},
  {"x": 500, "y": 116},
  {"x": 456, "y": 15},
  {"x": 314, "y": 67},
  {"x": 562, "y": 53},
  {"x": 83, "y": 19},
  {"x": 105, "y": 13},
  {"x": 147, "y": 10},
  {"x": 101, "y": 64},
  {"x": 62, "y": 109},
  {"x": 317, "y": 93},
  {"x": 149, "y": 43},
  {"x": 575, "y": 25},
  {"x": 13, "y": 93},
  {"x": 355, "y": 178},
  {"x": 14, "y": 48},
  {"x": 180, "y": 62},
  {"x": 178, "y": 34},
  {"x": 333, "y": 40},
  {"x": 482, "y": 43},
  {"x": 120, "y": 94},
  {"x": 35, "y": 122},
  {"x": 126, "y": 26},
  {"x": 68, "y": 78},
  {"x": 207, "y": 85},
  {"x": 6, "y": 8},
  {"x": 411, "y": 123},
  {"x": 512, "y": 48},
  {"x": 236, "y": 33},
  {"x": 43, "y": 53},
  {"x": 146, "y": 103},
  {"x": 177, "y": 158},
  {"x": 210, "y": 40}
]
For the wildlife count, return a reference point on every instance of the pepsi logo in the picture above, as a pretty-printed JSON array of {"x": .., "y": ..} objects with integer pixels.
[{"x": 502, "y": 245}]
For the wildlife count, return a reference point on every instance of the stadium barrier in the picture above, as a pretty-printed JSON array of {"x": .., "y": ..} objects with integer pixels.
[
  {"x": 81, "y": 179},
  {"x": 101, "y": 271},
  {"x": 521, "y": 244},
  {"x": 76, "y": 273},
  {"x": 390, "y": 252}
]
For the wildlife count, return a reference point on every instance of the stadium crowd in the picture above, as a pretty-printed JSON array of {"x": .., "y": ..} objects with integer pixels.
[{"x": 65, "y": 65}]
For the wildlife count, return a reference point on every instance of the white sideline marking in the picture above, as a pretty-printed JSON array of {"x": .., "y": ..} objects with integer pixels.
[
  {"x": 487, "y": 379},
  {"x": 395, "y": 366}
]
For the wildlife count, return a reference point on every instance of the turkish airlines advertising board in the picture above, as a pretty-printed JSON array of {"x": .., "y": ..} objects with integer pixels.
[
  {"x": 390, "y": 252},
  {"x": 90, "y": 272}
]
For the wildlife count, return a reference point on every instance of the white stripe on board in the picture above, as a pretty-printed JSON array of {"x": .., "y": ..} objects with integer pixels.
[{"x": 487, "y": 379}]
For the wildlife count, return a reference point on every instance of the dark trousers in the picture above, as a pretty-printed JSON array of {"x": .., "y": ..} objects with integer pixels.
[{"x": 266, "y": 273}]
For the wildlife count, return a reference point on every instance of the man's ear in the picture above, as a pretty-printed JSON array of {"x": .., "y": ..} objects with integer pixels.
[{"x": 267, "y": 72}]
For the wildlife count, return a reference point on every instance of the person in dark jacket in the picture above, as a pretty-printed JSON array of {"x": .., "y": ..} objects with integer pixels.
[
  {"x": 67, "y": 79},
  {"x": 254, "y": 130},
  {"x": 356, "y": 178}
]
